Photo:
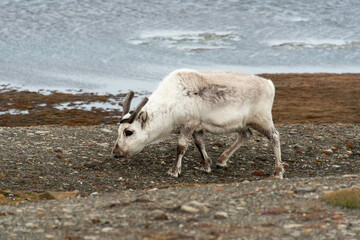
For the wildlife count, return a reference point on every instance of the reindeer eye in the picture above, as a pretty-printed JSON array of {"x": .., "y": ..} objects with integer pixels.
[{"x": 128, "y": 133}]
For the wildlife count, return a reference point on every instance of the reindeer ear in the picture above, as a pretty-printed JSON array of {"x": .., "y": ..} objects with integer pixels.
[{"x": 143, "y": 116}]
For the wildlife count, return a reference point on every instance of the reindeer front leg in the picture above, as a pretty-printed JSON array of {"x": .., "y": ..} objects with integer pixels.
[{"x": 186, "y": 132}]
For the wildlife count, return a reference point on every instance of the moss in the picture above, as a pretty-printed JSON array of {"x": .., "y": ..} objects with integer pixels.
[{"x": 346, "y": 198}]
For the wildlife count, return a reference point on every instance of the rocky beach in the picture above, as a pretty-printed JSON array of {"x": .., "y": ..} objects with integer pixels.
[{"x": 64, "y": 154}]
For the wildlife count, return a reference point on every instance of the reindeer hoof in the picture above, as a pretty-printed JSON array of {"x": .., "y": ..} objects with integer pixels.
[
  {"x": 173, "y": 174},
  {"x": 205, "y": 170},
  {"x": 218, "y": 165},
  {"x": 279, "y": 172}
]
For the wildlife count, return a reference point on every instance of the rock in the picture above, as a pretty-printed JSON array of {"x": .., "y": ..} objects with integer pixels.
[
  {"x": 189, "y": 209},
  {"x": 221, "y": 215},
  {"x": 328, "y": 152},
  {"x": 42, "y": 132},
  {"x": 105, "y": 130},
  {"x": 291, "y": 226},
  {"x": 105, "y": 145},
  {"x": 194, "y": 207},
  {"x": 218, "y": 144},
  {"x": 259, "y": 173},
  {"x": 304, "y": 189},
  {"x": 350, "y": 176},
  {"x": 159, "y": 215},
  {"x": 58, "y": 195},
  {"x": 285, "y": 165},
  {"x": 350, "y": 146},
  {"x": 107, "y": 229}
]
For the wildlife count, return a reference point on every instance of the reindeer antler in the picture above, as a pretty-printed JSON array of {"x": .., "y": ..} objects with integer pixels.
[
  {"x": 126, "y": 103},
  {"x": 137, "y": 109},
  {"x": 126, "y": 107}
]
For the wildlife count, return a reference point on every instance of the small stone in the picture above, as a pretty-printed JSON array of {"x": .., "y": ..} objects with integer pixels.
[
  {"x": 337, "y": 217},
  {"x": 189, "y": 209},
  {"x": 328, "y": 152},
  {"x": 49, "y": 195},
  {"x": 160, "y": 215},
  {"x": 304, "y": 189},
  {"x": 105, "y": 145},
  {"x": 42, "y": 132},
  {"x": 350, "y": 146},
  {"x": 194, "y": 207},
  {"x": 94, "y": 194},
  {"x": 350, "y": 176},
  {"x": 107, "y": 229},
  {"x": 105, "y": 130},
  {"x": 218, "y": 144},
  {"x": 285, "y": 165},
  {"x": 259, "y": 173},
  {"x": 290, "y": 226},
  {"x": 221, "y": 215}
]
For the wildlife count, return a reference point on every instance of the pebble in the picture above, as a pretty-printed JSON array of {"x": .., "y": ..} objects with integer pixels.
[
  {"x": 291, "y": 226},
  {"x": 189, "y": 209},
  {"x": 221, "y": 215},
  {"x": 105, "y": 130},
  {"x": 42, "y": 132},
  {"x": 107, "y": 229},
  {"x": 194, "y": 207},
  {"x": 304, "y": 189},
  {"x": 159, "y": 215},
  {"x": 105, "y": 145},
  {"x": 328, "y": 152}
]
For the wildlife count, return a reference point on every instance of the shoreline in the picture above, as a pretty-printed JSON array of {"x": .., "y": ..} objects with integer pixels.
[{"x": 299, "y": 98}]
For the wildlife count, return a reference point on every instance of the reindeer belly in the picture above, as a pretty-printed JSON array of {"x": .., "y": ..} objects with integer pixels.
[{"x": 223, "y": 120}]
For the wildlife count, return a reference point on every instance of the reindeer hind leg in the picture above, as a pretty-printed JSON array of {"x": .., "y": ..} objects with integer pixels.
[
  {"x": 205, "y": 159},
  {"x": 272, "y": 134},
  {"x": 244, "y": 134}
]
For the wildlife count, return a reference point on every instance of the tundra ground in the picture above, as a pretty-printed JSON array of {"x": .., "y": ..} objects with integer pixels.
[{"x": 317, "y": 116}]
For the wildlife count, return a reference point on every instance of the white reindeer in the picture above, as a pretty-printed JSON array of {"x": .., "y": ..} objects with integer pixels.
[{"x": 192, "y": 102}]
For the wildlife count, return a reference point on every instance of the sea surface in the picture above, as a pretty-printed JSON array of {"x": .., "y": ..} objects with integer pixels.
[{"x": 109, "y": 46}]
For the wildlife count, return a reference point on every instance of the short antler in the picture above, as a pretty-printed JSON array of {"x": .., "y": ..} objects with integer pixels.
[
  {"x": 137, "y": 109},
  {"x": 126, "y": 103}
]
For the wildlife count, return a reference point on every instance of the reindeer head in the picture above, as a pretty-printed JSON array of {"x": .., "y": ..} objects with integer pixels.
[{"x": 131, "y": 135}]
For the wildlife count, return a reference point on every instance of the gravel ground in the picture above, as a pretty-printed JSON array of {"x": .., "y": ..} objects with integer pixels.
[
  {"x": 281, "y": 209},
  {"x": 78, "y": 158},
  {"x": 134, "y": 198}
]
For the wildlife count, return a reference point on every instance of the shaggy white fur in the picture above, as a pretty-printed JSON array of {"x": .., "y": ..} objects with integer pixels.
[{"x": 192, "y": 102}]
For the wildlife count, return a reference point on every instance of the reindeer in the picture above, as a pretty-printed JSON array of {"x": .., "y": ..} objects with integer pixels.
[{"x": 191, "y": 102}]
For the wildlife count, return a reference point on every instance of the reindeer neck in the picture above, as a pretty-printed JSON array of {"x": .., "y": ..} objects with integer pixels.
[{"x": 160, "y": 124}]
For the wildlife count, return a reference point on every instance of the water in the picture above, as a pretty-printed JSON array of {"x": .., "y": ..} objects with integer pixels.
[{"x": 112, "y": 46}]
